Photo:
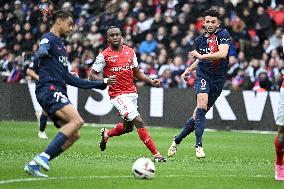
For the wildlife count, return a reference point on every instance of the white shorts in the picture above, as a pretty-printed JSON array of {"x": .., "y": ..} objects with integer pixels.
[
  {"x": 126, "y": 104},
  {"x": 280, "y": 113}
]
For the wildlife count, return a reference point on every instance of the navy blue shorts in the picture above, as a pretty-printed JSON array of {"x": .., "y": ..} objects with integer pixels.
[
  {"x": 52, "y": 99},
  {"x": 212, "y": 87}
]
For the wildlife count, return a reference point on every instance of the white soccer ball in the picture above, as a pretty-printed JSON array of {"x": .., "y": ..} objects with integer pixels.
[{"x": 143, "y": 168}]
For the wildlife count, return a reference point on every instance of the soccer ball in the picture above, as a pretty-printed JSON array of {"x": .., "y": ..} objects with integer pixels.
[{"x": 143, "y": 168}]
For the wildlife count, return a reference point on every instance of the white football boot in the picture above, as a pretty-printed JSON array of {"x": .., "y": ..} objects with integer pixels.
[
  {"x": 42, "y": 135},
  {"x": 199, "y": 152},
  {"x": 172, "y": 149},
  {"x": 34, "y": 170}
]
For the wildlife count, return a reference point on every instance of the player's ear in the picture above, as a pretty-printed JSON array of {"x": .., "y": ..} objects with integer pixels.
[{"x": 58, "y": 21}]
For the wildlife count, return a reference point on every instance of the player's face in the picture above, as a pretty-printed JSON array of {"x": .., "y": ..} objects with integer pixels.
[
  {"x": 211, "y": 24},
  {"x": 114, "y": 37},
  {"x": 67, "y": 26}
]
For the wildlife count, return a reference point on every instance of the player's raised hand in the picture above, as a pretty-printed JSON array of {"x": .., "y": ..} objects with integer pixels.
[
  {"x": 195, "y": 54},
  {"x": 111, "y": 80},
  {"x": 156, "y": 83}
]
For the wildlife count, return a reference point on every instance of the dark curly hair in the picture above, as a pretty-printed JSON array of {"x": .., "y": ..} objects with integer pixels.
[
  {"x": 61, "y": 14},
  {"x": 212, "y": 12}
]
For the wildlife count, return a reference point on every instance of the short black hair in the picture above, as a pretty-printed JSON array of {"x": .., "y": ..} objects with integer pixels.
[
  {"x": 111, "y": 27},
  {"x": 61, "y": 14},
  {"x": 212, "y": 12}
]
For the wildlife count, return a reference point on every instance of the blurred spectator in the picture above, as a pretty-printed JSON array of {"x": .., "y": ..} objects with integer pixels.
[
  {"x": 149, "y": 45},
  {"x": 161, "y": 31}
]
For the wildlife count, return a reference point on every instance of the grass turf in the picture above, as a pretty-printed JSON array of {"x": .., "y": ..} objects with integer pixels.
[{"x": 233, "y": 160}]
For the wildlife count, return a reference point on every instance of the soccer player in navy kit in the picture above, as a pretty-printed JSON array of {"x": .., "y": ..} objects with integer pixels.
[
  {"x": 51, "y": 92},
  {"x": 41, "y": 116},
  {"x": 211, "y": 64}
]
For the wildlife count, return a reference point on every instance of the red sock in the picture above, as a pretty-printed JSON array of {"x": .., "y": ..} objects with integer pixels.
[
  {"x": 279, "y": 149},
  {"x": 116, "y": 131},
  {"x": 145, "y": 137}
]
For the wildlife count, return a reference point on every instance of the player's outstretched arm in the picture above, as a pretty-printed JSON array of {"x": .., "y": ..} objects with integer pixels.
[
  {"x": 93, "y": 75},
  {"x": 221, "y": 54},
  {"x": 32, "y": 73},
  {"x": 142, "y": 77},
  {"x": 191, "y": 68},
  {"x": 84, "y": 84}
]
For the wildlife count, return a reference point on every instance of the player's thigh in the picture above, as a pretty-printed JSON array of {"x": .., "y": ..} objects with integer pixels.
[
  {"x": 216, "y": 88},
  {"x": 202, "y": 100},
  {"x": 280, "y": 113},
  {"x": 69, "y": 114}
]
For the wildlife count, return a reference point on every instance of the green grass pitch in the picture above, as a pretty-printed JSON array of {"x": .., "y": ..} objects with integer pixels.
[{"x": 233, "y": 160}]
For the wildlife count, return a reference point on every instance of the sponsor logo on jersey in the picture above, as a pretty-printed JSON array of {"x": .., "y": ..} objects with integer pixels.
[
  {"x": 63, "y": 60},
  {"x": 122, "y": 68}
]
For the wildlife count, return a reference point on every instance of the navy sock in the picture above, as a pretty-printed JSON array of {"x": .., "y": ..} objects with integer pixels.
[
  {"x": 200, "y": 121},
  {"x": 42, "y": 122},
  {"x": 54, "y": 148},
  {"x": 188, "y": 128}
]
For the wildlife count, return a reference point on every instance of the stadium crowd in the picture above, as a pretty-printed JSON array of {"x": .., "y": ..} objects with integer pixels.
[{"x": 161, "y": 31}]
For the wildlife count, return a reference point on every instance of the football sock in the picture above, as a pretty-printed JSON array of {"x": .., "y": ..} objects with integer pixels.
[
  {"x": 200, "y": 120},
  {"x": 42, "y": 122},
  {"x": 279, "y": 149},
  {"x": 45, "y": 155},
  {"x": 116, "y": 131},
  {"x": 188, "y": 128},
  {"x": 145, "y": 137},
  {"x": 33, "y": 163},
  {"x": 54, "y": 148}
]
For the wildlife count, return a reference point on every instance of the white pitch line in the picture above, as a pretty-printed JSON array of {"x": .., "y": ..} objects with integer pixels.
[{"x": 11, "y": 181}]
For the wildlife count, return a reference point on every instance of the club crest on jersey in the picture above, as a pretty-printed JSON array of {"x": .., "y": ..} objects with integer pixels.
[
  {"x": 210, "y": 40},
  {"x": 112, "y": 58}
]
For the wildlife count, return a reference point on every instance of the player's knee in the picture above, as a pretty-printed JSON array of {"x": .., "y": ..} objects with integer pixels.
[
  {"x": 76, "y": 136},
  {"x": 202, "y": 106},
  {"x": 281, "y": 135},
  {"x": 129, "y": 129},
  {"x": 79, "y": 122}
]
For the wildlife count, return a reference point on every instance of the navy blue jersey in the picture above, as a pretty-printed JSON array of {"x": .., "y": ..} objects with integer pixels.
[
  {"x": 206, "y": 45},
  {"x": 53, "y": 68}
]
